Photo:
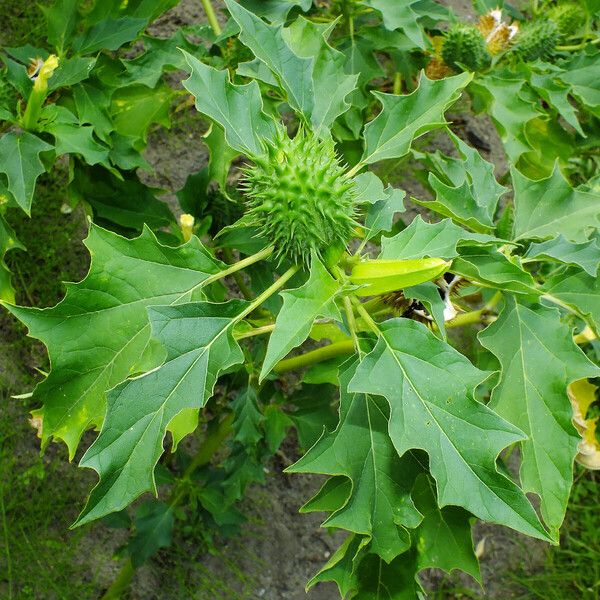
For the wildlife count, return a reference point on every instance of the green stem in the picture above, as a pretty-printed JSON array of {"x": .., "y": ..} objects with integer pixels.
[
  {"x": 314, "y": 356},
  {"x": 362, "y": 246},
  {"x": 267, "y": 293},
  {"x": 211, "y": 16},
  {"x": 348, "y": 18},
  {"x": 342, "y": 279},
  {"x": 493, "y": 302},
  {"x": 562, "y": 304},
  {"x": 33, "y": 110},
  {"x": 580, "y": 46},
  {"x": 211, "y": 444},
  {"x": 355, "y": 169},
  {"x": 238, "y": 266},
  {"x": 351, "y": 322},
  {"x": 366, "y": 316},
  {"x": 239, "y": 280},
  {"x": 375, "y": 304},
  {"x": 121, "y": 584},
  {"x": 397, "y": 83},
  {"x": 256, "y": 331},
  {"x": 468, "y": 318}
]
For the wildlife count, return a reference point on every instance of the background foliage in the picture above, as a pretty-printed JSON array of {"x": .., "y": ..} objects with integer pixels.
[{"x": 149, "y": 328}]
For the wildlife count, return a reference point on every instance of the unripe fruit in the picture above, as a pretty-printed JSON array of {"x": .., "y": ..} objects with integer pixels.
[
  {"x": 465, "y": 46},
  {"x": 569, "y": 18},
  {"x": 537, "y": 40},
  {"x": 300, "y": 197}
]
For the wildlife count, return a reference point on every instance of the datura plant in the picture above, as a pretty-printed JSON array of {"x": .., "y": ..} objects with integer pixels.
[{"x": 319, "y": 305}]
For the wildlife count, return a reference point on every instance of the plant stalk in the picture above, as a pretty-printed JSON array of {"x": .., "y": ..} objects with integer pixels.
[
  {"x": 238, "y": 266},
  {"x": 580, "y": 46},
  {"x": 268, "y": 293},
  {"x": 239, "y": 280},
  {"x": 468, "y": 318},
  {"x": 211, "y": 444},
  {"x": 355, "y": 169},
  {"x": 256, "y": 331},
  {"x": 121, "y": 584},
  {"x": 314, "y": 356},
  {"x": 211, "y": 16},
  {"x": 351, "y": 322},
  {"x": 367, "y": 318},
  {"x": 397, "y": 83}
]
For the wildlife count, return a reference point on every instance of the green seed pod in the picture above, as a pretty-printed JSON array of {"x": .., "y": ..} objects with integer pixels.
[
  {"x": 300, "y": 197},
  {"x": 465, "y": 46},
  {"x": 537, "y": 40},
  {"x": 569, "y": 18}
]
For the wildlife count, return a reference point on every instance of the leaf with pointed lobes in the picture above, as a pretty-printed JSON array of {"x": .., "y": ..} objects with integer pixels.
[
  {"x": 310, "y": 72},
  {"x": 467, "y": 190},
  {"x": 405, "y": 118},
  {"x": 421, "y": 239},
  {"x": 539, "y": 360},
  {"x": 22, "y": 165},
  {"x": 430, "y": 387},
  {"x": 550, "y": 207},
  {"x": 379, "y": 503},
  {"x": 301, "y": 306},
  {"x": 238, "y": 109},
  {"x": 451, "y": 524},
  {"x": 578, "y": 291},
  {"x": 100, "y": 333},
  {"x": 198, "y": 338},
  {"x": 585, "y": 255}
]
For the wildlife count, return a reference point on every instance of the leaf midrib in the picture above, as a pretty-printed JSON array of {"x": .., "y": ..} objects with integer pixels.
[{"x": 425, "y": 405}]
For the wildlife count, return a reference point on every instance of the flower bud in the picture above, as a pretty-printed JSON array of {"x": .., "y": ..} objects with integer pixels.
[{"x": 187, "y": 226}]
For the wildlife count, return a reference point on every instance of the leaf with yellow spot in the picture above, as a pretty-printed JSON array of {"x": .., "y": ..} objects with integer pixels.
[{"x": 582, "y": 394}]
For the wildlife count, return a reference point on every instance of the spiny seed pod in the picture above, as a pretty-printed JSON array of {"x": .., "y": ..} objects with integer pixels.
[
  {"x": 537, "y": 40},
  {"x": 569, "y": 18},
  {"x": 465, "y": 46},
  {"x": 299, "y": 196}
]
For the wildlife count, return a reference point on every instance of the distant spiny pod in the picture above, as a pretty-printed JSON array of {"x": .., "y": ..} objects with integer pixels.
[{"x": 465, "y": 47}]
